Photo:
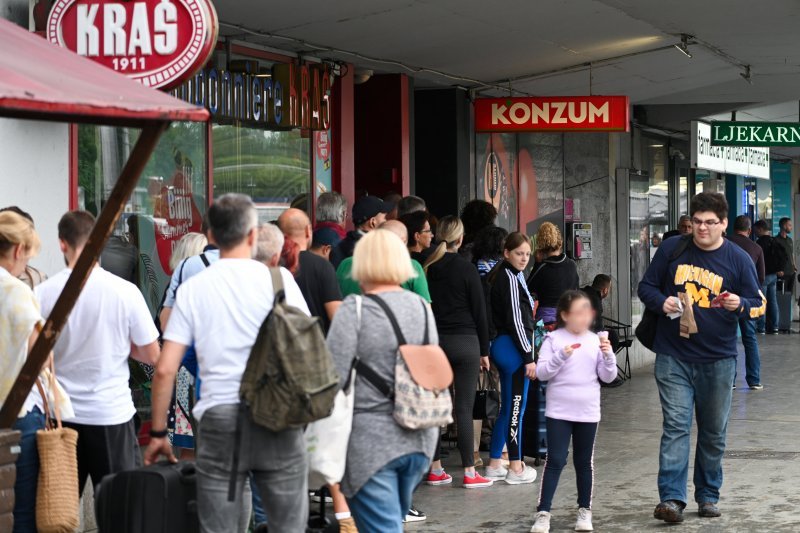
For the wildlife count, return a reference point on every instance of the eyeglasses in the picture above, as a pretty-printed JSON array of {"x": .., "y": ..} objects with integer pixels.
[
  {"x": 707, "y": 223},
  {"x": 427, "y": 231}
]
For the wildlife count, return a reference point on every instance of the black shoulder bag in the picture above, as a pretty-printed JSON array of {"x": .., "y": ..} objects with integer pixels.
[{"x": 646, "y": 330}]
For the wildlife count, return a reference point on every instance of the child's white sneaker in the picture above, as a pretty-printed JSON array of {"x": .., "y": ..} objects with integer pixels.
[
  {"x": 584, "y": 522},
  {"x": 528, "y": 475},
  {"x": 542, "y": 523}
]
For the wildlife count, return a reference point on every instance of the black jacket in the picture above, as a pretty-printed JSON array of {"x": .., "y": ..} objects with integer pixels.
[
  {"x": 774, "y": 254},
  {"x": 458, "y": 300},
  {"x": 597, "y": 305},
  {"x": 345, "y": 248},
  {"x": 551, "y": 278},
  {"x": 512, "y": 312}
]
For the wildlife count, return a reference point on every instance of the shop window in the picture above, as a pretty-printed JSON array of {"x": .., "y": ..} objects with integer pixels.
[
  {"x": 273, "y": 167},
  {"x": 167, "y": 203}
]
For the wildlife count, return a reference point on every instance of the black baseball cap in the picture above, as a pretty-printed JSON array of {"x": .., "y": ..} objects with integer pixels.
[
  {"x": 325, "y": 237},
  {"x": 367, "y": 207}
]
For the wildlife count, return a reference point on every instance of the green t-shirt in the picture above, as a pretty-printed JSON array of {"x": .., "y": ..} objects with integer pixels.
[{"x": 417, "y": 285}]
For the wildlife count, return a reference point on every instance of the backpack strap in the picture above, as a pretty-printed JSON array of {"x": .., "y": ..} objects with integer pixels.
[
  {"x": 375, "y": 380},
  {"x": 205, "y": 260},
  {"x": 277, "y": 283},
  {"x": 401, "y": 339}
]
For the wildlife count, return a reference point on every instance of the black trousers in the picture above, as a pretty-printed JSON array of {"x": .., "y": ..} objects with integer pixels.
[
  {"x": 463, "y": 352},
  {"x": 104, "y": 450}
]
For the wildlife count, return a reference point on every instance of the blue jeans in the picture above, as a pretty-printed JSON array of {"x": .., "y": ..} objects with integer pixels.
[
  {"x": 259, "y": 515},
  {"x": 769, "y": 322},
  {"x": 513, "y": 399},
  {"x": 381, "y": 504},
  {"x": 27, "y": 472},
  {"x": 684, "y": 388},
  {"x": 752, "y": 358}
]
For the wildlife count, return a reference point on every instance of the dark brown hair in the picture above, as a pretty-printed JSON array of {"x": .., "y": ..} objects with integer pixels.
[
  {"x": 710, "y": 201},
  {"x": 565, "y": 304},
  {"x": 74, "y": 227},
  {"x": 514, "y": 240}
]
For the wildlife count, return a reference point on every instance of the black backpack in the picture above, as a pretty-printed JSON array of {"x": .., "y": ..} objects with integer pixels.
[
  {"x": 774, "y": 255},
  {"x": 646, "y": 330}
]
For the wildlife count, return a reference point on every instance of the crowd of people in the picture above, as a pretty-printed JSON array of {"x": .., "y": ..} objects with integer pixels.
[{"x": 459, "y": 281}]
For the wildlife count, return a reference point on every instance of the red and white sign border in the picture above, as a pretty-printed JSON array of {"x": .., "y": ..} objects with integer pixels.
[{"x": 202, "y": 42}]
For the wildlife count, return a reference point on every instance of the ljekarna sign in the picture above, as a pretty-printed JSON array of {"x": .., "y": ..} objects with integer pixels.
[
  {"x": 755, "y": 134},
  {"x": 552, "y": 113},
  {"x": 159, "y": 43}
]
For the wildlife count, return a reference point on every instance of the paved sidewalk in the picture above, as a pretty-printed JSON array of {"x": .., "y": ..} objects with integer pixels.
[{"x": 762, "y": 465}]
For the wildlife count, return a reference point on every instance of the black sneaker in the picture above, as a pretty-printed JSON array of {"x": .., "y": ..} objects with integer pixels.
[
  {"x": 414, "y": 515},
  {"x": 756, "y": 386},
  {"x": 709, "y": 510},
  {"x": 670, "y": 511}
]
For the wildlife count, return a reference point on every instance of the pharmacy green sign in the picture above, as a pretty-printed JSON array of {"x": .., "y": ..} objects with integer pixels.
[{"x": 755, "y": 134}]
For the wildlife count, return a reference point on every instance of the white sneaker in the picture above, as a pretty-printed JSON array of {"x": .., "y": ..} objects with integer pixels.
[
  {"x": 528, "y": 475},
  {"x": 542, "y": 523},
  {"x": 496, "y": 474},
  {"x": 584, "y": 522}
]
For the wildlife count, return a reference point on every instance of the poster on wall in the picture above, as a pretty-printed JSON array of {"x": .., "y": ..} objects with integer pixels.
[
  {"x": 781, "y": 193},
  {"x": 323, "y": 171},
  {"x": 497, "y": 179}
]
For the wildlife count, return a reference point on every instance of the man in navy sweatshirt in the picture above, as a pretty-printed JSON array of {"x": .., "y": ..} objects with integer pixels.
[{"x": 695, "y": 371}]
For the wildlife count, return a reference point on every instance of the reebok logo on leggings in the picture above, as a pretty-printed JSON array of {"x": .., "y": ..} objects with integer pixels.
[{"x": 515, "y": 418}]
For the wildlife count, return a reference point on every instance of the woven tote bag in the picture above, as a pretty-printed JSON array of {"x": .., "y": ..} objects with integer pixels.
[{"x": 57, "y": 498}]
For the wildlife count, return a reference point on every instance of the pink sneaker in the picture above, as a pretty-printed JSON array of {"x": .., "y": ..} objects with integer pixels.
[
  {"x": 442, "y": 479},
  {"x": 477, "y": 482}
]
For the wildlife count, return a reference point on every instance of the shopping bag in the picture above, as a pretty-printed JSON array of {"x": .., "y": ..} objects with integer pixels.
[
  {"x": 487, "y": 398},
  {"x": 327, "y": 440},
  {"x": 57, "y": 498}
]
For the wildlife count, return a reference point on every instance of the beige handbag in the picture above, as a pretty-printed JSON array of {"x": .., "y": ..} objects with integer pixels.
[{"x": 57, "y": 495}]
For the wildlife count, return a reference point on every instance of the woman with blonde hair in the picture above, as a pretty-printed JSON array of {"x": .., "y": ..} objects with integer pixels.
[
  {"x": 459, "y": 306},
  {"x": 385, "y": 461},
  {"x": 188, "y": 245},
  {"x": 20, "y": 321},
  {"x": 554, "y": 273}
]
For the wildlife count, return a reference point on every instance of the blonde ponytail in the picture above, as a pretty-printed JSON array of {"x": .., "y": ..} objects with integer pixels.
[{"x": 449, "y": 231}]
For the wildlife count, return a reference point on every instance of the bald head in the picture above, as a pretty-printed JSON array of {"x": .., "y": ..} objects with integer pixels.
[
  {"x": 398, "y": 228},
  {"x": 296, "y": 225}
]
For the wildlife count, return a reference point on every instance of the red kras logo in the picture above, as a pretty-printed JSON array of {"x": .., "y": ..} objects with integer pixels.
[{"x": 160, "y": 43}]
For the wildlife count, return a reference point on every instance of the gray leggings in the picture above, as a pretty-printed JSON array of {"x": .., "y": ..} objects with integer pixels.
[{"x": 463, "y": 352}]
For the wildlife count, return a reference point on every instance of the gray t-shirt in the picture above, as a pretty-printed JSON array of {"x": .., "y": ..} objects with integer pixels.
[{"x": 376, "y": 439}]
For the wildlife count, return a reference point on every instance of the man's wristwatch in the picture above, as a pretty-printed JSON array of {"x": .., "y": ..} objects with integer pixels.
[{"x": 158, "y": 434}]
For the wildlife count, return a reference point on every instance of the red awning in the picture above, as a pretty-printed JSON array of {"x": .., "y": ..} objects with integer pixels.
[{"x": 41, "y": 81}]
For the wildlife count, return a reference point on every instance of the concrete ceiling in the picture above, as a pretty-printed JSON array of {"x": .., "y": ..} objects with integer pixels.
[{"x": 490, "y": 42}]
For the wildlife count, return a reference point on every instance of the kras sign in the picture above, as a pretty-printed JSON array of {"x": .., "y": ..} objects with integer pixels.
[{"x": 159, "y": 43}]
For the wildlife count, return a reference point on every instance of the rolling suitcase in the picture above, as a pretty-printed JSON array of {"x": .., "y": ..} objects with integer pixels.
[
  {"x": 158, "y": 498},
  {"x": 534, "y": 425},
  {"x": 785, "y": 305}
]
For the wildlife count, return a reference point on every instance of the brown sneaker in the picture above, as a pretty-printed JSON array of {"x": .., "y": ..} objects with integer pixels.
[
  {"x": 477, "y": 460},
  {"x": 347, "y": 525},
  {"x": 709, "y": 510},
  {"x": 670, "y": 511}
]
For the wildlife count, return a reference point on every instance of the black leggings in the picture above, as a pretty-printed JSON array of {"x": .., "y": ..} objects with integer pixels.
[
  {"x": 463, "y": 352},
  {"x": 559, "y": 433}
]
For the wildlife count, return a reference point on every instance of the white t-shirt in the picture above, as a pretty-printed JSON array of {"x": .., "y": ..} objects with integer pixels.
[
  {"x": 91, "y": 354},
  {"x": 221, "y": 310}
]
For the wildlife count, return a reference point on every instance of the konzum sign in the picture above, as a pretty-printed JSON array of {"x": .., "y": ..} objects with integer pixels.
[
  {"x": 552, "y": 113},
  {"x": 159, "y": 43}
]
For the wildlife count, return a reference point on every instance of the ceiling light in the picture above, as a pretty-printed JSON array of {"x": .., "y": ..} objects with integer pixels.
[
  {"x": 746, "y": 75},
  {"x": 683, "y": 47}
]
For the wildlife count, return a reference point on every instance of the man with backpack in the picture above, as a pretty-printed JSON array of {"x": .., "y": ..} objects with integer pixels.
[
  {"x": 221, "y": 311},
  {"x": 774, "y": 263},
  {"x": 699, "y": 287}
]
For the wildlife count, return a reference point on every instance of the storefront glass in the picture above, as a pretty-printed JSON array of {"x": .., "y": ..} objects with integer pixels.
[
  {"x": 273, "y": 167},
  {"x": 649, "y": 217},
  {"x": 168, "y": 202}
]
